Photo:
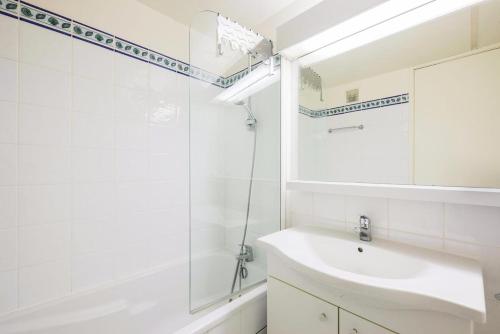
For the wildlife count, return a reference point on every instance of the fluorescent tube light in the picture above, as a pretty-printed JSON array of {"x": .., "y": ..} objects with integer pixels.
[
  {"x": 260, "y": 78},
  {"x": 384, "y": 20}
]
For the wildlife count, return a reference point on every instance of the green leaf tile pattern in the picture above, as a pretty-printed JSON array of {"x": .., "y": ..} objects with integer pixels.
[
  {"x": 45, "y": 18},
  {"x": 56, "y": 22},
  {"x": 93, "y": 35},
  {"x": 131, "y": 49},
  {"x": 162, "y": 60},
  {"x": 9, "y": 6},
  {"x": 373, "y": 104}
]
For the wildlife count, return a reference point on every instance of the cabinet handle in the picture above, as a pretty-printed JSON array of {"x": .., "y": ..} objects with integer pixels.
[
  {"x": 354, "y": 331},
  {"x": 323, "y": 317}
]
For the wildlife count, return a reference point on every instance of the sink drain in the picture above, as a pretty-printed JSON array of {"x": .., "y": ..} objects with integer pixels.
[{"x": 360, "y": 249}]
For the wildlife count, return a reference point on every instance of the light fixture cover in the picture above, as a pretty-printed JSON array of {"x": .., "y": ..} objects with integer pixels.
[{"x": 260, "y": 78}]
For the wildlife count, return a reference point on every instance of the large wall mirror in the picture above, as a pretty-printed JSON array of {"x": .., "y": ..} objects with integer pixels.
[{"x": 418, "y": 107}]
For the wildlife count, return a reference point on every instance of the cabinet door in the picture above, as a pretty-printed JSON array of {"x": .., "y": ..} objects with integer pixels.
[
  {"x": 352, "y": 324},
  {"x": 293, "y": 311}
]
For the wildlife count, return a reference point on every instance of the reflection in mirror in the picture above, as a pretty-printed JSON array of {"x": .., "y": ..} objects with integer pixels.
[{"x": 418, "y": 107}]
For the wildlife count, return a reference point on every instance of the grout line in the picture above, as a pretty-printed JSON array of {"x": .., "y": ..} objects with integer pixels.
[
  {"x": 72, "y": 176},
  {"x": 18, "y": 241}
]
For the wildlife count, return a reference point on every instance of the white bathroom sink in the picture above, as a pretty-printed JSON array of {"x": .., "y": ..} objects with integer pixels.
[{"x": 418, "y": 278}]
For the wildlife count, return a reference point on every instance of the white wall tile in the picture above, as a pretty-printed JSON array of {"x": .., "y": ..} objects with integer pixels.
[
  {"x": 8, "y": 207},
  {"x": 132, "y": 197},
  {"x": 8, "y": 164},
  {"x": 92, "y": 165},
  {"x": 132, "y": 228},
  {"x": 8, "y": 80},
  {"x": 462, "y": 249},
  {"x": 207, "y": 237},
  {"x": 41, "y": 46},
  {"x": 474, "y": 224},
  {"x": 9, "y": 38},
  {"x": 162, "y": 82},
  {"x": 8, "y": 122},
  {"x": 338, "y": 225},
  {"x": 424, "y": 218},
  {"x": 93, "y": 236},
  {"x": 84, "y": 121},
  {"x": 374, "y": 208},
  {"x": 168, "y": 140},
  {"x": 91, "y": 96},
  {"x": 8, "y": 291},
  {"x": 300, "y": 202},
  {"x": 169, "y": 248},
  {"x": 42, "y": 243},
  {"x": 131, "y": 73},
  {"x": 130, "y": 134},
  {"x": 44, "y": 87},
  {"x": 8, "y": 249},
  {"x": 131, "y": 165},
  {"x": 165, "y": 167},
  {"x": 43, "y": 126},
  {"x": 166, "y": 195},
  {"x": 44, "y": 165},
  {"x": 329, "y": 206},
  {"x": 131, "y": 260},
  {"x": 418, "y": 240},
  {"x": 44, "y": 204},
  {"x": 43, "y": 282},
  {"x": 91, "y": 270},
  {"x": 298, "y": 219},
  {"x": 91, "y": 130},
  {"x": 131, "y": 104},
  {"x": 92, "y": 201},
  {"x": 92, "y": 62}
]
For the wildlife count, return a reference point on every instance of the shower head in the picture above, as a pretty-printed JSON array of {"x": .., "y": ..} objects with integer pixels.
[{"x": 251, "y": 120}]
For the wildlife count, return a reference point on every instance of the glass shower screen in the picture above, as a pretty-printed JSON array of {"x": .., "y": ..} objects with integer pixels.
[{"x": 234, "y": 169}]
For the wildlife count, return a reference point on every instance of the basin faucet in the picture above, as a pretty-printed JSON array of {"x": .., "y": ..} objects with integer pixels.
[{"x": 365, "y": 229}]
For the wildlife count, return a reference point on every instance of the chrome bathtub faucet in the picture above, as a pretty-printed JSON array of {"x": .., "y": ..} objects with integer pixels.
[{"x": 364, "y": 229}]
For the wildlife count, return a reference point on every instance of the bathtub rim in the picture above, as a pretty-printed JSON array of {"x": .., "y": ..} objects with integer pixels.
[{"x": 218, "y": 315}]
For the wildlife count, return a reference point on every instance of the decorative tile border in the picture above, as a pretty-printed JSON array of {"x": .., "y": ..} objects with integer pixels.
[
  {"x": 378, "y": 103},
  {"x": 9, "y": 7},
  {"x": 131, "y": 49},
  {"x": 93, "y": 35},
  {"x": 35, "y": 15},
  {"x": 44, "y": 18}
]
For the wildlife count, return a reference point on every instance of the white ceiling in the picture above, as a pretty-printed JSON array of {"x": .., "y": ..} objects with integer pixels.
[{"x": 261, "y": 15}]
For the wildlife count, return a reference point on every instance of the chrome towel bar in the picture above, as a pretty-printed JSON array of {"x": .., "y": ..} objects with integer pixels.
[{"x": 356, "y": 127}]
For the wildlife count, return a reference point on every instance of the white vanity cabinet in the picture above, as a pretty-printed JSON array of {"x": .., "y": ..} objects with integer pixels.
[
  {"x": 352, "y": 324},
  {"x": 293, "y": 311},
  {"x": 326, "y": 281}
]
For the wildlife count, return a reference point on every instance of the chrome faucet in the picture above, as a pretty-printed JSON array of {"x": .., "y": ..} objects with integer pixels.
[
  {"x": 365, "y": 229},
  {"x": 246, "y": 254}
]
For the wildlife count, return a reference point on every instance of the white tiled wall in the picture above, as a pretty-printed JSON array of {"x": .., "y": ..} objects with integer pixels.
[
  {"x": 93, "y": 166},
  {"x": 465, "y": 230},
  {"x": 379, "y": 153}
]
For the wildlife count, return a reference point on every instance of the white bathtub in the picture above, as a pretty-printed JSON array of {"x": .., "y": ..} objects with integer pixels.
[{"x": 156, "y": 302}]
